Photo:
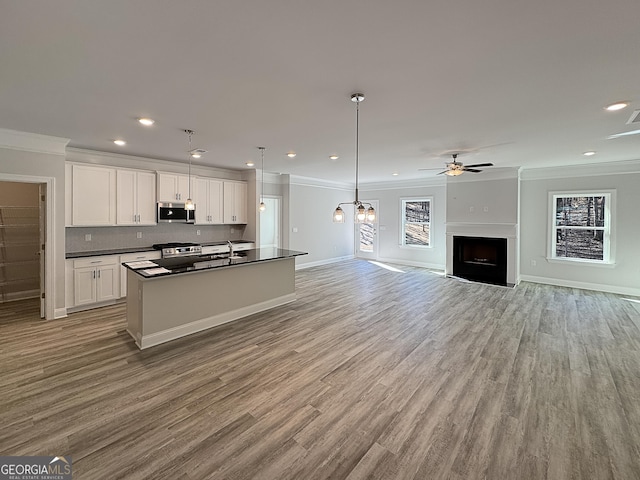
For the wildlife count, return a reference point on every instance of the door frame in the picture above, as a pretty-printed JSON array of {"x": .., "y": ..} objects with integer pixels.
[
  {"x": 49, "y": 252},
  {"x": 373, "y": 255}
]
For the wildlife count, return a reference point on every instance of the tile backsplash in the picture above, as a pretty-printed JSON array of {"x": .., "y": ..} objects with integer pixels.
[{"x": 107, "y": 238}]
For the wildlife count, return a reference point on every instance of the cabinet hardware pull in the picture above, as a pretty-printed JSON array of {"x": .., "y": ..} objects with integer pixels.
[
  {"x": 97, "y": 261},
  {"x": 98, "y": 273}
]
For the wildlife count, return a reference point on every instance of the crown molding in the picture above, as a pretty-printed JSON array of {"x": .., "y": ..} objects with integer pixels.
[
  {"x": 581, "y": 170},
  {"x": 316, "y": 182},
  {"x": 32, "y": 142}
]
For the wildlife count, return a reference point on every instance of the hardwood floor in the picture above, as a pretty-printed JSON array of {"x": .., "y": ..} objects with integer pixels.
[{"x": 370, "y": 374}]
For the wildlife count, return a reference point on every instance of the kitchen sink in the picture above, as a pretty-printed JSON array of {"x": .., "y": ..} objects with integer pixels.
[{"x": 221, "y": 256}]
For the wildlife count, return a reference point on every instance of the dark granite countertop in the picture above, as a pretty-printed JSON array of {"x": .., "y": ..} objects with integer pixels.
[
  {"x": 123, "y": 251},
  {"x": 173, "y": 266}
]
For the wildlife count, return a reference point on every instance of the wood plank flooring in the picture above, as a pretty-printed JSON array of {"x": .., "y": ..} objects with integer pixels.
[{"x": 370, "y": 374}]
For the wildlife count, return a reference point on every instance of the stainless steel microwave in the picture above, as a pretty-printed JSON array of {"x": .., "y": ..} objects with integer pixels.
[{"x": 175, "y": 213}]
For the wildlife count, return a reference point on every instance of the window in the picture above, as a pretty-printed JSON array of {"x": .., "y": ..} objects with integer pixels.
[
  {"x": 581, "y": 227},
  {"x": 416, "y": 222}
]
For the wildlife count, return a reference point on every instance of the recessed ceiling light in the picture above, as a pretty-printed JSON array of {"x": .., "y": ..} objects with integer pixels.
[
  {"x": 291, "y": 154},
  {"x": 333, "y": 157},
  {"x": 119, "y": 142},
  {"x": 616, "y": 106},
  {"x": 589, "y": 153},
  {"x": 147, "y": 122},
  {"x": 395, "y": 174},
  {"x": 250, "y": 164},
  {"x": 197, "y": 152}
]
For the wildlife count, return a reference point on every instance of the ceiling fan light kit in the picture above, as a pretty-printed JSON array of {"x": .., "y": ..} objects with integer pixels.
[{"x": 456, "y": 168}]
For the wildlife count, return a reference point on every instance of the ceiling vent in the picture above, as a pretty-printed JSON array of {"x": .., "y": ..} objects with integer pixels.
[{"x": 635, "y": 118}]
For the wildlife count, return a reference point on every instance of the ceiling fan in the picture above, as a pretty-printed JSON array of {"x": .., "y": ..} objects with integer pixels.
[{"x": 455, "y": 168}]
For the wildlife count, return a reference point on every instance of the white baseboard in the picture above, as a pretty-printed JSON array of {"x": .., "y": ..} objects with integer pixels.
[
  {"x": 582, "y": 285},
  {"x": 60, "y": 313},
  {"x": 323, "y": 262},
  {"x": 146, "y": 341}
]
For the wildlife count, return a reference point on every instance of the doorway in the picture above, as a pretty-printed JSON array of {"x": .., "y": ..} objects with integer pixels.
[
  {"x": 270, "y": 222},
  {"x": 22, "y": 228},
  {"x": 367, "y": 236}
]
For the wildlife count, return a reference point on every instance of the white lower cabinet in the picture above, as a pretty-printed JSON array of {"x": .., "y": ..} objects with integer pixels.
[
  {"x": 133, "y": 257},
  {"x": 95, "y": 280}
]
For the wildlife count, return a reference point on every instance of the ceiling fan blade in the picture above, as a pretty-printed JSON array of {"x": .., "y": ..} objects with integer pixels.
[
  {"x": 480, "y": 165},
  {"x": 442, "y": 172},
  {"x": 471, "y": 170},
  {"x": 424, "y": 169}
]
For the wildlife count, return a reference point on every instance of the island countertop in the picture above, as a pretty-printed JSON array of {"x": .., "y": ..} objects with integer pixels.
[{"x": 173, "y": 266}]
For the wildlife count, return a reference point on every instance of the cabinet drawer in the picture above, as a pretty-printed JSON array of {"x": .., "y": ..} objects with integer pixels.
[
  {"x": 132, "y": 257},
  {"x": 96, "y": 261},
  {"x": 215, "y": 249},
  {"x": 238, "y": 247}
]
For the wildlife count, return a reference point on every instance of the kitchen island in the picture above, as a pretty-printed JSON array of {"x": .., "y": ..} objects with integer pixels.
[{"x": 173, "y": 297}]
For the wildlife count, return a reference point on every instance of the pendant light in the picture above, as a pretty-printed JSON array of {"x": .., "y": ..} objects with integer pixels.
[
  {"x": 189, "y": 205},
  {"x": 262, "y": 206},
  {"x": 362, "y": 214}
]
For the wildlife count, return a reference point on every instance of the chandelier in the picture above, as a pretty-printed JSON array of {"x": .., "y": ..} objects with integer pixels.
[{"x": 362, "y": 213}]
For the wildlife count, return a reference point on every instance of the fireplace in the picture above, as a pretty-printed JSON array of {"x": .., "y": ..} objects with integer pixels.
[{"x": 480, "y": 259}]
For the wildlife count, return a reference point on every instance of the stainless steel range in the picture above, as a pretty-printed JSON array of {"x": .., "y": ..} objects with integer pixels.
[{"x": 176, "y": 249}]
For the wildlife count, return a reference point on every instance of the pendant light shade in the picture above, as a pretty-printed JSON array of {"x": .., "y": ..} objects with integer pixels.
[
  {"x": 262, "y": 207},
  {"x": 362, "y": 214},
  {"x": 189, "y": 205}
]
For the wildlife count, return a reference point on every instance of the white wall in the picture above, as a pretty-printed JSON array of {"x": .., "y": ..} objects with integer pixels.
[
  {"x": 311, "y": 209},
  {"x": 482, "y": 199},
  {"x": 624, "y": 276},
  {"x": 390, "y": 247}
]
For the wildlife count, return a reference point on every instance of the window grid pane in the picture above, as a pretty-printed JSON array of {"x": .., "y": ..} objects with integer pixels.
[
  {"x": 581, "y": 227},
  {"x": 416, "y": 226}
]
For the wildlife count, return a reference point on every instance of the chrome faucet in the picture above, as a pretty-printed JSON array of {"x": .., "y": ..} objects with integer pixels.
[{"x": 230, "y": 248}]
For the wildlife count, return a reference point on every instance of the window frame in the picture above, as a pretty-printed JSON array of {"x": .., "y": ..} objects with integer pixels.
[
  {"x": 403, "y": 222},
  {"x": 607, "y": 229}
]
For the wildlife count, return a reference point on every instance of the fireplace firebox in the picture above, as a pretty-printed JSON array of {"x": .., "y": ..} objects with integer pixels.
[{"x": 480, "y": 259}]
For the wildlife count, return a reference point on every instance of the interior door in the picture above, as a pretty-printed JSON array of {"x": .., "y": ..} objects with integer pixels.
[{"x": 367, "y": 236}]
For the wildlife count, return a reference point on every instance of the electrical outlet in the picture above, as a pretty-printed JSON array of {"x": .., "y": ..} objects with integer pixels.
[
  {"x": 294, "y": 229},
  {"x": 197, "y": 232},
  {"x": 471, "y": 209},
  {"x": 486, "y": 209},
  {"x": 87, "y": 237},
  {"x": 232, "y": 230},
  {"x": 138, "y": 234},
  {"x": 533, "y": 263}
]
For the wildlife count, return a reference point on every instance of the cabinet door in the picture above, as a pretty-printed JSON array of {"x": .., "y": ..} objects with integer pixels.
[
  {"x": 202, "y": 201},
  {"x": 84, "y": 286},
  {"x": 235, "y": 202},
  {"x": 241, "y": 202},
  {"x": 94, "y": 195},
  {"x": 183, "y": 188},
  {"x": 167, "y": 187},
  {"x": 126, "y": 197},
  {"x": 107, "y": 283},
  {"x": 215, "y": 202},
  {"x": 146, "y": 198}
]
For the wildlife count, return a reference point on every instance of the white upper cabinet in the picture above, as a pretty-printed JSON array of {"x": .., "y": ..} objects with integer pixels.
[
  {"x": 209, "y": 200},
  {"x": 173, "y": 187},
  {"x": 235, "y": 202},
  {"x": 136, "y": 199},
  {"x": 93, "y": 195}
]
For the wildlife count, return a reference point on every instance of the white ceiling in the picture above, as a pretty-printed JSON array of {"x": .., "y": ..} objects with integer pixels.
[{"x": 518, "y": 83}]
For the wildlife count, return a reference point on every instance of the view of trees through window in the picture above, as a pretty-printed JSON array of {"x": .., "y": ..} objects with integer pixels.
[
  {"x": 416, "y": 223},
  {"x": 580, "y": 227}
]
